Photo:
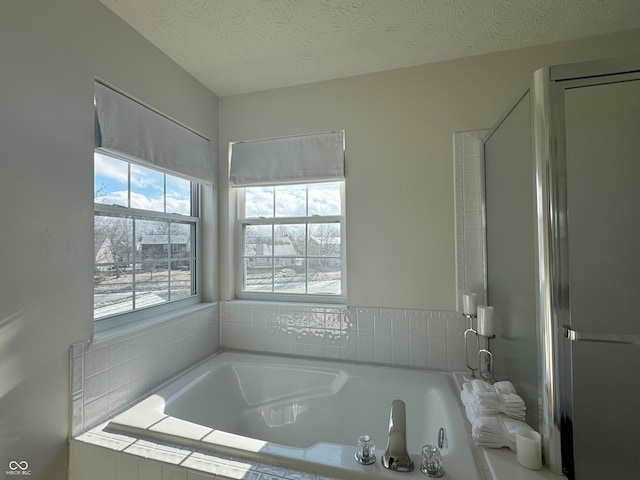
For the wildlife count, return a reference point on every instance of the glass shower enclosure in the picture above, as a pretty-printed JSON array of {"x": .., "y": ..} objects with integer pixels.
[{"x": 562, "y": 216}]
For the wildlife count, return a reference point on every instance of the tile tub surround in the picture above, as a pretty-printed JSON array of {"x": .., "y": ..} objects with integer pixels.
[
  {"x": 104, "y": 456},
  {"x": 426, "y": 339},
  {"x": 108, "y": 455},
  {"x": 468, "y": 155},
  {"x": 107, "y": 375}
]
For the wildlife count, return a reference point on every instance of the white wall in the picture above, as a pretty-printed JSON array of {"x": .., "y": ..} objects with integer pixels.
[
  {"x": 400, "y": 187},
  {"x": 50, "y": 53}
]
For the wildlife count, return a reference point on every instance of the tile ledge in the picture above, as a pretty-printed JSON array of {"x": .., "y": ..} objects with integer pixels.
[
  {"x": 110, "y": 334},
  {"x": 500, "y": 462},
  {"x": 504, "y": 466}
]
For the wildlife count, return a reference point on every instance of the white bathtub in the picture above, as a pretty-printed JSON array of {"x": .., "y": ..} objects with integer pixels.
[{"x": 304, "y": 414}]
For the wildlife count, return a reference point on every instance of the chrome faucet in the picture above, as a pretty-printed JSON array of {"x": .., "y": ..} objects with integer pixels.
[{"x": 396, "y": 456}]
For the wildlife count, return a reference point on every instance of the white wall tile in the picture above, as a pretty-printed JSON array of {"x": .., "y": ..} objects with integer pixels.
[
  {"x": 104, "y": 463},
  {"x": 109, "y": 374},
  {"x": 349, "y": 345},
  {"x": 117, "y": 353},
  {"x": 468, "y": 171},
  {"x": 95, "y": 361},
  {"x": 388, "y": 336},
  {"x": 95, "y": 386},
  {"x": 437, "y": 327},
  {"x": 77, "y": 374},
  {"x": 365, "y": 347},
  {"x": 366, "y": 318},
  {"x": 400, "y": 341},
  {"x": 118, "y": 398},
  {"x": 117, "y": 376},
  {"x": 127, "y": 467},
  {"x": 81, "y": 464},
  {"x": 437, "y": 354},
  {"x": 173, "y": 473}
]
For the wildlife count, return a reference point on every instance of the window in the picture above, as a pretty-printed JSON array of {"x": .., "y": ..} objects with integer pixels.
[
  {"x": 290, "y": 193},
  {"x": 292, "y": 241},
  {"x": 149, "y": 174},
  {"x": 145, "y": 228}
]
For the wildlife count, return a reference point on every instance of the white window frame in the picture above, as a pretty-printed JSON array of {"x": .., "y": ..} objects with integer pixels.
[
  {"x": 155, "y": 312},
  {"x": 310, "y": 298}
]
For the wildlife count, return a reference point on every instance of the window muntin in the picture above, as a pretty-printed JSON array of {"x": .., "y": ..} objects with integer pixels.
[
  {"x": 291, "y": 241},
  {"x": 145, "y": 230}
]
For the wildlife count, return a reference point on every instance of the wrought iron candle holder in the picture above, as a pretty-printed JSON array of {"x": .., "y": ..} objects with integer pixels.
[
  {"x": 480, "y": 352},
  {"x": 470, "y": 332}
]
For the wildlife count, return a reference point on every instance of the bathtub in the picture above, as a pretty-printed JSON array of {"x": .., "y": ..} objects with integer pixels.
[{"x": 304, "y": 414}]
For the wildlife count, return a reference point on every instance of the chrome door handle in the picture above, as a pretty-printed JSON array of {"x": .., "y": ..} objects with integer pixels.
[{"x": 623, "y": 339}]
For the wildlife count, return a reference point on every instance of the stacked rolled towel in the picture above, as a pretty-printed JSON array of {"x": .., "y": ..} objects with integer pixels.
[
  {"x": 494, "y": 411},
  {"x": 487, "y": 399}
]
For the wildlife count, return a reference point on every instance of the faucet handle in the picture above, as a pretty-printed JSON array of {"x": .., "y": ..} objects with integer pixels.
[
  {"x": 431, "y": 461},
  {"x": 365, "y": 450}
]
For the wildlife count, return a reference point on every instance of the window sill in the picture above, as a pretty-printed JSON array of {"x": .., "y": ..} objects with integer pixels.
[
  {"x": 284, "y": 303},
  {"x": 112, "y": 329}
]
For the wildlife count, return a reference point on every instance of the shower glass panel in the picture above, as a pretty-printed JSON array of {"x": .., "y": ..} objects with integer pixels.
[
  {"x": 603, "y": 211},
  {"x": 509, "y": 213}
]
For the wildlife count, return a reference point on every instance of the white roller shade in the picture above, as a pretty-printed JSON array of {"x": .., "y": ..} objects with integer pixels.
[
  {"x": 127, "y": 127},
  {"x": 298, "y": 159}
]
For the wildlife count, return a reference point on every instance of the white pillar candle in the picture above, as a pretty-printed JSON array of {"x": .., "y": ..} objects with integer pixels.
[
  {"x": 469, "y": 303},
  {"x": 528, "y": 448},
  {"x": 485, "y": 321}
]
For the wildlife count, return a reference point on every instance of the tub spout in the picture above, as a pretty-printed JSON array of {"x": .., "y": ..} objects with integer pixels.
[{"x": 396, "y": 456}]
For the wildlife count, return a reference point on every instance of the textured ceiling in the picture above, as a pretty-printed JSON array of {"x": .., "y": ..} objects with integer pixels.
[{"x": 239, "y": 46}]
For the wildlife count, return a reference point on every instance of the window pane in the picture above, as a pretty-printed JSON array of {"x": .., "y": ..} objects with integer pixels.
[
  {"x": 110, "y": 181},
  {"x": 153, "y": 240},
  {"x": 152, "y": 283},
  {"x": 147, "y": 189},
  {"x": 324, "y": 199},
  {"x": 180, "y": 279},
  {"x": 324, "y": 239},
  {"x": 112, "y": 239},
  {"x": 258, "y": 202},
  {"x": 113, "y": 249},
  {"x": 113, "y": 290},
  {"x": 180, "y": 240},
  {"x": 324, "y": 276},
  {"x": 258, "y": 274},
  {"x": 291, "y": 200},
  {"x": 289, "y": 275},
  {"x": 258, "y": 240},
  {"x": 178, "y": 195},
  {"x": 289, "y": 240}
]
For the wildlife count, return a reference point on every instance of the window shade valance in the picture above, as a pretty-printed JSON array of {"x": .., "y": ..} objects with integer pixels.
[
  {"x": 302, "y": 158},
  {"x": 125, "y": 126}
]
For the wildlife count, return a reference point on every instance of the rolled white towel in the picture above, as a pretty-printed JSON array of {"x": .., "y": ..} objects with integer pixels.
[
  {"x": 466, "y": 395},
  {"x": 495, "y": 431},
  {"x": 486, "y": 399},
  {"x": 504, "y": 386},
  {"x": 482, "y": 386},
  {"x": 512, "y": 425}
]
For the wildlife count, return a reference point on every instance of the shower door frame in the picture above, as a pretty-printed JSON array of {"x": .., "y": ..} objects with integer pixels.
[{"x": 548, "y": 87}]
